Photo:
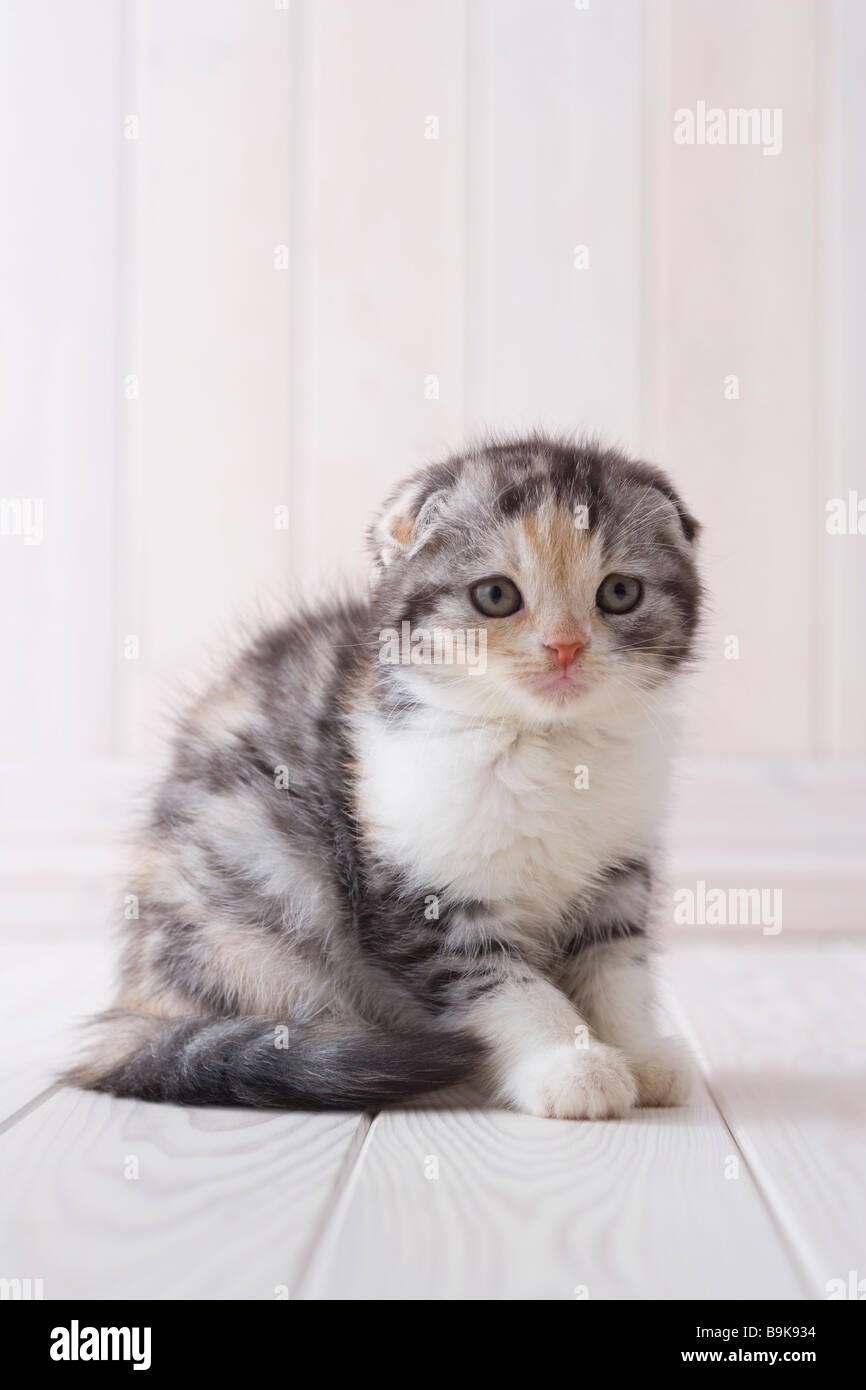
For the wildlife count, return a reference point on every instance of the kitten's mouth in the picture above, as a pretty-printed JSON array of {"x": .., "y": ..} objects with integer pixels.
[{"x": 563, "y": 685}]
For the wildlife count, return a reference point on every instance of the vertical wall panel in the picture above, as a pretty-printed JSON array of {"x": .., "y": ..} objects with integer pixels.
[
  {"x": 557, "y": 121},
  {"x": 840, "y": 437},
  {"x": 208, "y": 437},
  {"x": 738, "y": 271},
  {"x": 380, "y": 260},
  {"x": 59, "y": 138}
]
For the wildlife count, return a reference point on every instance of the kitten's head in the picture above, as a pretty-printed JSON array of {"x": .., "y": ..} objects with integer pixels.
[{"x": 565, "y": 572}]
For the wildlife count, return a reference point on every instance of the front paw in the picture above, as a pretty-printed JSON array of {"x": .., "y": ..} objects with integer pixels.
[
  {"x": 569, "y": 1083},
  {"x": 664, "y": 1073}
]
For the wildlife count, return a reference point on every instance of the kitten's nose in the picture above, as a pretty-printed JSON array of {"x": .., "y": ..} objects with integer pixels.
[{"x": 565, "y": 652}]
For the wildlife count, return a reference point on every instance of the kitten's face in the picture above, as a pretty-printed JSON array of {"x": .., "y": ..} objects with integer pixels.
[{"x": 577, "y": 566}]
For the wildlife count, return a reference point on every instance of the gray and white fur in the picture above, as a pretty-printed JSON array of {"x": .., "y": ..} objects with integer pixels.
[{"x": 362, "y": 879}]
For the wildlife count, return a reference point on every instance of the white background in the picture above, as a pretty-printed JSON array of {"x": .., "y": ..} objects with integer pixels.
[{"x": 302, "y": 126}]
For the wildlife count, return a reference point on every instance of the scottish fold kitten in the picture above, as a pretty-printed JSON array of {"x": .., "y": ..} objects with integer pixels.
[{"x": 408, "y": 839}]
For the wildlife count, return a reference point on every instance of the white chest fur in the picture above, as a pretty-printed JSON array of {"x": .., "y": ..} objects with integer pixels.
[{"x": 522, "y": 819}]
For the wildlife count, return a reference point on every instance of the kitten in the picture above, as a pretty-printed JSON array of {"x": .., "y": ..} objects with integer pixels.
[{"x": 373, "y": 871}]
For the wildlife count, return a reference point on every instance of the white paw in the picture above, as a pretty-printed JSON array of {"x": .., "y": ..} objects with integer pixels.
[
  {"x": 664, "y": 1072},
  {"x": 570, "y": 1083}
]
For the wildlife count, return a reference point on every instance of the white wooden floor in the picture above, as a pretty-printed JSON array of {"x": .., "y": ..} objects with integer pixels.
[{"x": 754, "y": 1190}]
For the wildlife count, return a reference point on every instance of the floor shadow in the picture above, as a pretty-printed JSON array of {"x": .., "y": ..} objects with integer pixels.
[{"x": 817, "y": 1095}]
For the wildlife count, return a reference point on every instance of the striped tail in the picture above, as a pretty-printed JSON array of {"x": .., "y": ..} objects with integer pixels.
[{"x": 254, "y": 1062}]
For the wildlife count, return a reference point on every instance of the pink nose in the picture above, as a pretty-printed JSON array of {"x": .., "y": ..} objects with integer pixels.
[{"x": 565, "y": 652}]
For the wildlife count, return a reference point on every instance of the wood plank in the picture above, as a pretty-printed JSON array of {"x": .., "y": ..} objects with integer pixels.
[
  {"x": 525, "y": 1208},
  {"x": 780, "y": 1024},
  {"x": 226, "y": 1205}
]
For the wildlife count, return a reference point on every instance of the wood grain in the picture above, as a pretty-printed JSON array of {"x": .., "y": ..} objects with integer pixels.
[
  {"x": 227, "y": 1203},
  {"x": 525, "y": 1208},
  {"x": 780, "y": 1024}
]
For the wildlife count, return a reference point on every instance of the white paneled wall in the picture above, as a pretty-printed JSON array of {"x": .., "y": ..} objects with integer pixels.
[
  {"x": 840, "y": 437},
  {"x": 379, "y": 258},
  {"x": 59, "y": 246},
  {"x": 272, "y": 255},
  {"x": 738, "y": 265},
  {"x": 207, "y": 333},
  {"x": 553, "y": 242}
]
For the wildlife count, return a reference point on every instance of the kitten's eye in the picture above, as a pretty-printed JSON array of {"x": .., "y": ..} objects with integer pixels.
[
  {"x": 619, "y": 593},
  {"x": 496, "y": 598}
]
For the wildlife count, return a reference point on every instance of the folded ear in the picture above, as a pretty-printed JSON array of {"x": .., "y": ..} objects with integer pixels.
[
  {"x": 406, "y": 523},
  {"x": 648, "y": 473},
  {"x": 690, "y": 526}
]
